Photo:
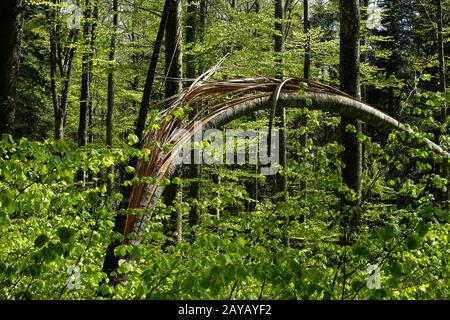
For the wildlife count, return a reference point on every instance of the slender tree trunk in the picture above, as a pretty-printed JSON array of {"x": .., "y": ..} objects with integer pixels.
[
  {"x": 174, "y": 59},
  {"x": 306, "y": 75},
  {"x": 111, "y": 80},
  {"x": 442, "y": 195},
  {"x": 11, "y": 21},
  {"x": 63, "y": 61},
  {"x": 364, "y": 5},
  {"x": 111, "y": 85},
  {"x": 173, "y": 86},
  {"x": 194, "y": 170},
  {"x": 84, "y": 93},
  {"x": 58, "y": 115},
  {"x": 202, "y": 30},
  {"x": 89, "y": 35},
  {"x": 191, "y": 37},
  {"x": 281, "y": 180},
  {"x": 111, "y": 261},
  {"x": 306, "y": 27},
  {"x": 350, "y": 84},
  {"x": 441, "y": 55}
]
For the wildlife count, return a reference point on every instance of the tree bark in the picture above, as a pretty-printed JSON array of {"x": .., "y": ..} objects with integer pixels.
[
  {"x": 111, "y": 87},
  {"x": 350, "y": 84},
  {"x": 111, "y": 261},
  {"x": 89, "y": 35},
  {"x": 191, "y": 38},
  {"x": 306, "y": 75},
  {"x": 84, "y": 93},
  {"x": 11, "y": 21},
  {"x": 441, "y": 55},
  {"x": 328, "y": 102},
  {"x": 173, "y": 86},
  {"x": 111, "y": 80},
  {"x": 202, "y": 31},
  {"x": 174, "y": 60},
  {"x": 194, "y": 170},
  {"x": 281, "y": 180},
  {"x": 306, "y": 27}
]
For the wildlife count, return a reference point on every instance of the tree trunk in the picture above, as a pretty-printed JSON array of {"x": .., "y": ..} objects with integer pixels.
[
  {"x": 11, "y": 21},
  {"x": 191, "y": 38},
  {"x": 321, "y": 100},
  {"x": 111, "y": 80},
  {"x": 281, "y": 180},
  {"x": 84, "y": 93},
  {"x": 202, "y": 30},
  {"x": 89, "y": 35},
  {"x": 306, "y": 27},
  {"x": 350, "y": 84},
  {"x": 194, "y": 170},
  {"x": 306, "y": 75},
  {"x": 441, "y": 55},
  {"x": 111, "y": 261},
  {"x": 110, "y": 98},
  {"x": 173, "y": 86},
  {"x": 442, "y": 195}
]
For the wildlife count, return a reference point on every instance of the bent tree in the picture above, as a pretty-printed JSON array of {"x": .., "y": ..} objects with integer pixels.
[{"x": 252, "y": 95}]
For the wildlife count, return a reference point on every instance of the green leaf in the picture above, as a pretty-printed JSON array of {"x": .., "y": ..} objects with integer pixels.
[
  {"x": 40, "y": 241},
  {"x": 65, "y": 234},
  {"x": 413, "y": 242},
  {"x": 362, "y": 251},
  {"x": 396, "y": 269},
  {"x": 422, "y": 229},
  {"x": 120, "y": 251},
  {"x": 132, "y": 139},
  {"x": 3, "y": 267}
]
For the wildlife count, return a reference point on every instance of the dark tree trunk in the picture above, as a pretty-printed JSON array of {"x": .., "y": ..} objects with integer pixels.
[
  {"x": 111, "y": 261},
  {"x": 364, "y": 5},
  {"x": 173, "y": 86},
  {"x": 191, "y": 37},
  {"x": 111, "y": 85},
  {"x": 194, "y": 170},
  {"x": 111, "y": 80},
  {"x": 350, "y": 83},
  {"x": 442, "y": 195},
  {"x": 91, "y": 11},
  {"x": 84, "y": 94},
  {"x": 62, "y": 61},
  {"x": 441, "y": 55},
  {"x": 11, "y": 21},
  {"x": 281, "y": 180},
  {"x": 202, "y": 30},
  {"x": 307, "y": 75},
  {"x": 306, "y": 27}
]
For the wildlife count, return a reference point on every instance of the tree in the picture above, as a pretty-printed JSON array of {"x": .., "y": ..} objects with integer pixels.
[
  {"x": 350, "y": 83},
  {"x": 194, "y": 170},
  {"x": 90, "y": 24},
  {"x": 441, "y": 56},
  {"x": 62, "y": 57},
  {"x": 281, "y": 179},
  {"x": 111, "y": 80},
  {"x": 11, "y": 20},
  {"x": 173, "y": 86},
  {"x": 111, "y": 260}
]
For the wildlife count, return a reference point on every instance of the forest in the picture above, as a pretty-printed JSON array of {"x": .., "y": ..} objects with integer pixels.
[{"x": 224, "y": 150}]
